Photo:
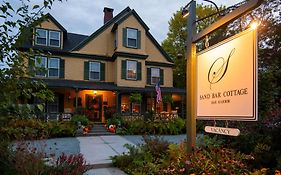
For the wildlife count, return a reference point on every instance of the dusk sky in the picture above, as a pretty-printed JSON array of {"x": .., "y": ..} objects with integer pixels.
[{"x": 86, "y": 16}]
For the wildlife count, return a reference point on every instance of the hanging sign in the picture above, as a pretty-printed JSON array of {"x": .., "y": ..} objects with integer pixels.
[
  {"x": 222, "y": 131},
  {"x": 227, "y": 79}
]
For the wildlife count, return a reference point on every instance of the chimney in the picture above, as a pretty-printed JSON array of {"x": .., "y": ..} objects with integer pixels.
[{"x": 108, "y": 14}]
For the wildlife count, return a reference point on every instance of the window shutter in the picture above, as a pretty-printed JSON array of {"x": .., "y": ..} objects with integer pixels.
[
  {"x": 139, "y": 40},
  {"x": 138, "y": 70},
  {"x": 124, "y": 69},
  {"x": 161, "y": 77},
  {"x": 125, "y": 37},
  {"x": 86, "y": 70},
  {"x": 148, "y": 77},
  {"x": 62, "y": 68},
  {"x": 31, "y": 66},
  {"x": 102, "y": 71}
]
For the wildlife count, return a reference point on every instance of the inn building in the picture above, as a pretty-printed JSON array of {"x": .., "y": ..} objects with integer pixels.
[{"x": 97, "y": 74}]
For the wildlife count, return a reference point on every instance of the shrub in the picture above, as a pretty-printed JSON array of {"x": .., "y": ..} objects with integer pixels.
[
  {"x": 80, "y": 118},
  {"x": 158, "y": 127},
  {"x": 145, "y": 159},
  {"x": 69, "y": 165}
]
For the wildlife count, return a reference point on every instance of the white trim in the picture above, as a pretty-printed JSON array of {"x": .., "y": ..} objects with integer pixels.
[
  {"x": 42, "y": 57},
  {"x": 151, "y": 74},
  {"x": 58, "y": 68},
  {"x": 127, "y": 37},
  {"x": 127, "y": 61},
  {"x": 49, "y": 38},
  {"x": 36, "y": 36},
  {"x": 94, "y": 62}
]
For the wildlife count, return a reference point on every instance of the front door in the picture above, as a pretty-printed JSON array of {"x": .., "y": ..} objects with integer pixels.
[{"x": 94, "y": 107}]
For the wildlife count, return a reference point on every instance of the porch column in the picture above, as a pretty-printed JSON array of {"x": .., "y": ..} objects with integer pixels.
[
  {"x": 76, "y": 98},
  {"x": 117, "y": 101},
  {"x": 182, "y": 105},
  {"x": 151, "y": 101}
]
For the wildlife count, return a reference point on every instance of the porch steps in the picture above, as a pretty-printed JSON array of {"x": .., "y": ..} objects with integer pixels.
[{"x": 99, "y": 130}]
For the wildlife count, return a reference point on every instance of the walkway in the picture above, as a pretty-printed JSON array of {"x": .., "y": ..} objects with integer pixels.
[{"x": 97, "y": 150}]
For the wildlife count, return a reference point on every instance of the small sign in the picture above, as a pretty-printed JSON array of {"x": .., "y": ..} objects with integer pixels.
[{"x": 222, "y": 131}]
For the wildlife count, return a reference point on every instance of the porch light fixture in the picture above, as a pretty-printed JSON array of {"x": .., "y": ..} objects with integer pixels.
[
  {"x": 95, "y": 93},
  {"x": 254, "y": 24}
]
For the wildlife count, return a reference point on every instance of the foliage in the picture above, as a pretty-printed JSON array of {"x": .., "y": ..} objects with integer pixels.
[
  {"x": 135, "y": 98},
  {"x": 24, "y": 159},
  {"x": 174, "y": 44},
  {"x": 69, "y": 165},
  {"x": 159, "y": 157},
  {"x": 216, "y": 161},
  {"x": 80, "y": 118},
  {"x": 145, "y": 159},
  {"x": 116, "y": 120},
  {"x": 167, "y": 99},
  {"x": 158, "y": 127},
  {"x": 17, "y": 128}
]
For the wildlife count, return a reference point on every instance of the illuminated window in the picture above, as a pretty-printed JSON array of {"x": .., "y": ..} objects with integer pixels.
[
  {"x": 125, "y": 104},
  {"x": 136, "y": 107}
]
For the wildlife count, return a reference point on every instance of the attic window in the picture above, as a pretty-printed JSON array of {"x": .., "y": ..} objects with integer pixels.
[
  {"x": 132, "y": 36},
  {"x": 41, "y": 37},
  {"x": 54, "y": 38}
]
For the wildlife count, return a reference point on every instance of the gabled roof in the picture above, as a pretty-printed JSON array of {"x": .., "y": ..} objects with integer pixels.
[
  {"x": 74, "y": 42},
  {"x": 118, "y": 19},
  {"x": 49, "y": 16},
  {"x": 103, "y": 28}
]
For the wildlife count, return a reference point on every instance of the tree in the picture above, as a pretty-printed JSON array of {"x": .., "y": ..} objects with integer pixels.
[
  {"x": 174, "y": 44},
  {"x": 15, "y": 84}
]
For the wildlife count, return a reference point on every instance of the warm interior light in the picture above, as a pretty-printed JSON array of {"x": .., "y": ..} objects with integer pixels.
[
  {"x": 95, "y": 92},
  {"x": 254, "y": 24}
]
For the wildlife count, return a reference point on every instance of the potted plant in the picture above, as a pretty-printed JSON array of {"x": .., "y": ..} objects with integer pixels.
[
  {"x": 135, "y": 98},
  {"x": 167, "y": 99}
]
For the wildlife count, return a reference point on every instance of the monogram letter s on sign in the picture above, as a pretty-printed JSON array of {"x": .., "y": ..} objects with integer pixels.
[{"x": 218, "y": 69}]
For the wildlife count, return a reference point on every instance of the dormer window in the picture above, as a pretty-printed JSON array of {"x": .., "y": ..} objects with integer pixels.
[
  {"x": 41, "y": 37},
  {"x": 54, "y": 38},
  {"x": 45, "y": 37},
  {"x": 132, "y": 36}
]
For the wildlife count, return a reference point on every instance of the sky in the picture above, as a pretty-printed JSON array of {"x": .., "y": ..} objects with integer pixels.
[{"x": 86, "y": 16}]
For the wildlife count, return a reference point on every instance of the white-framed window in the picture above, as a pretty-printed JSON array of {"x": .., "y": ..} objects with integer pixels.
[
  {"x": 131, "y": 70},
  {"x": 53, "y": 67},
  {"x": 132, "y": 37},
  {"x": 94, "y": 70},
  {"x": 41, "y": 37},
  {"x": 54, "y": 38},
  {"x": 155, "y": 75},
  {"x": 41, "y": 64}
]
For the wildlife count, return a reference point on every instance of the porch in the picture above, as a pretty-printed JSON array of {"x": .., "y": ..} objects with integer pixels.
[{"x": 102, "y": 100}]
